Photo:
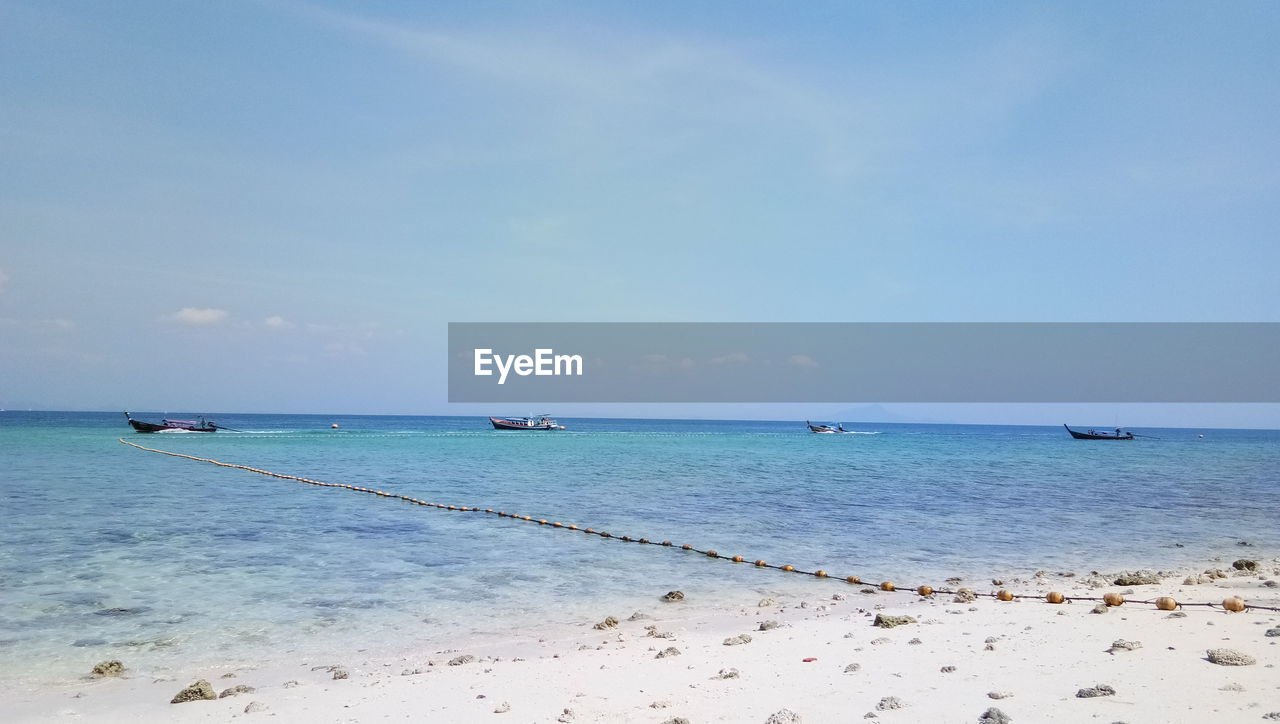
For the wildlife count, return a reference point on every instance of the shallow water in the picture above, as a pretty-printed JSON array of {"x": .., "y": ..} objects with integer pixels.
[{"x": 108, "y": 551}]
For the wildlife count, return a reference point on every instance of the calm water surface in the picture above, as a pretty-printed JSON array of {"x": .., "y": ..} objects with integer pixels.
[{"x": 107, "y": 551}]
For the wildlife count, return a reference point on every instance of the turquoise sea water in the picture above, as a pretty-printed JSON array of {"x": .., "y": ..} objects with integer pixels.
[{"x": 107, "y": 551}]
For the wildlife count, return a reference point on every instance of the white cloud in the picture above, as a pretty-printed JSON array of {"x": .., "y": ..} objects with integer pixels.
[
  {"x": 275, "y": 321},
  {"x": 803, "y": 361},
  {"x": 198, "y": 316},
  {"x": 732, "y": 359}
]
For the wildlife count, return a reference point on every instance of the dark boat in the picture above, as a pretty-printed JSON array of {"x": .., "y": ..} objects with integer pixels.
[
  {"x": 172, "y": 425},
  {"x": 1095, "y": 435},
  {"x": 525, "y": 423},
  {"x": 826, "y": 429}
]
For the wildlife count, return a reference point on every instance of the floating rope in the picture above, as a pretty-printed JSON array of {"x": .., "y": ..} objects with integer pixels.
[{"x": 1163, "y": 603}]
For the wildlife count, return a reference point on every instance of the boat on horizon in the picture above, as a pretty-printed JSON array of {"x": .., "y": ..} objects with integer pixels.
[
  {"x": 542, "y": 422},
  {"x": 172, "y": 425},
  {"x": 1095, "y": 435},
  {"x": 826, "y": 429}
]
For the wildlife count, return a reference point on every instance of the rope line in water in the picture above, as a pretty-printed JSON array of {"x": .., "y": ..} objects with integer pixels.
[{"x": 1163, "y": 603}]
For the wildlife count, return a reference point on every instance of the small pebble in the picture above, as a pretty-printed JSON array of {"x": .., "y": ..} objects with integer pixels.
[
  {"x": 783, "y": 716},
  {"x": 1122, "y": 645},
  {"x": 1230, "y": 657},
  {"x": 889, "y": 702},
  {"x": 1095, "y": 691}
]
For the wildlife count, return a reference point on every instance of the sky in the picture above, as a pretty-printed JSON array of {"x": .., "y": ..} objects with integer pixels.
[{"x": 278, "y": 206}]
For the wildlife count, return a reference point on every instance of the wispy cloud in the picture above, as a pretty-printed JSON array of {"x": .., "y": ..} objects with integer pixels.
[
  {"x": 275, "y": 321},
  {"x": 656, "y": 91},
  {"x": 803, "y": 361},
  {"x": 198, "y": 317},
  {"x": 57, "y": 324}
]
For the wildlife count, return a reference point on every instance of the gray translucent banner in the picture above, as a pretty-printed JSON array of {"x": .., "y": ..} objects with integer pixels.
[{"x": 864, "y": 362}]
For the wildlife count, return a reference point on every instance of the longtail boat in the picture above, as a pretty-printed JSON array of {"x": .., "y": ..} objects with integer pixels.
[
  {"x": 525, "y": 423},
  {"x": 1095, "y": 435},
  {"x": 172, "y": 425},
  {"x": 826, "y": 429}
]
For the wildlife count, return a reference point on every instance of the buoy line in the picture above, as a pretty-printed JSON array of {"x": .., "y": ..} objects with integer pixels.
[{"x": 1163, "y": 603}]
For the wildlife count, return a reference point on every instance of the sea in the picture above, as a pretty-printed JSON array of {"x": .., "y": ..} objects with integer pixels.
[{"x": 107, "y": 551}]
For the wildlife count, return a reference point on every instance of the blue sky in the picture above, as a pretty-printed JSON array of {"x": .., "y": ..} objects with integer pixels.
[{"x": 322, "y": 186}]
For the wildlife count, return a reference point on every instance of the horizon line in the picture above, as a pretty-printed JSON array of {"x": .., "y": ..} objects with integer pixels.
[{"x": 682, "y": 419}]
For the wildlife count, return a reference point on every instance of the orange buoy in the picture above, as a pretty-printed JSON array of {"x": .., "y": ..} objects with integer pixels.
[
  {"x": 687, "y": 547},
  {"x": 761, "y": 563},
  {"x": 887, "y": 586},
  {"x": 1004, "y": 595},
  {"x": 925, "y": 591},
  {"x": 853, "y": 579},
  {"x": 1113, "y": 599},
  {"x": 1054, "y": 597},
  {"x": 573, "y": 527},
  {"x": 557, "y": 525},
  {"x": 737, "y": 559},
  {"x": 788, "y": 568},
  {"x": 666, "y": 543},
  {"x": 711, "y": 554},
  {"x": 643, "y": 540},
  {"x": 1235, "y": 603},
  {"x": 1164, "y": 603}
]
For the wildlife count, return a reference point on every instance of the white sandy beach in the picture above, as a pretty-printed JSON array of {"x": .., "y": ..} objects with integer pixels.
[{"x": 1026, "y": 658}]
